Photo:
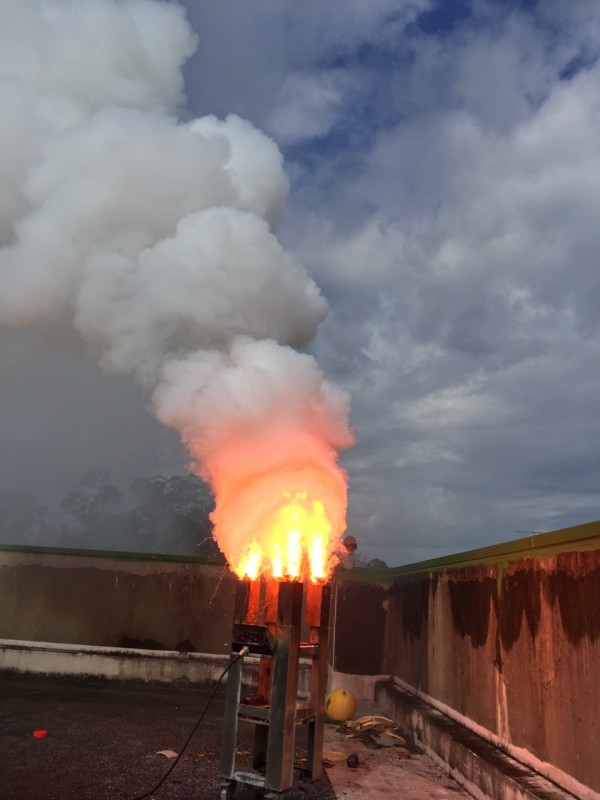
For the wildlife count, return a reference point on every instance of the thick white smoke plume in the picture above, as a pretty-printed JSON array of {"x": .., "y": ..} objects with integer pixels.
[{"x": 154, "y": 239}]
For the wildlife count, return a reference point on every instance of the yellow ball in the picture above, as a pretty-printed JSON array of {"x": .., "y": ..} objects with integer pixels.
[{"x": 340, "y": 705}]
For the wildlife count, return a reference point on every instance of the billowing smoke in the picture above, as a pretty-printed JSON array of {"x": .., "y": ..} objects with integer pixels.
[{"x": 153, "y": 239}]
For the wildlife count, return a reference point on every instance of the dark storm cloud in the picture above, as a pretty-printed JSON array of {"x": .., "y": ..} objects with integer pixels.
[{"x": 61, "y": 417}]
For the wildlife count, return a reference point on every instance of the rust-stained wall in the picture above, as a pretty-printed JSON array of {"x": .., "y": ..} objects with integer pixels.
[
  {"x": 514, "y": 645},
  {"x": 359, "y": 643},
  {"x": 75, "y": 599}
]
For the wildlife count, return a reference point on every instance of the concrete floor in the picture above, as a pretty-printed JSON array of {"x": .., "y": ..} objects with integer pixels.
[
  {"x": 384, "y": 773},
  {"x": 104, "y": 737}
]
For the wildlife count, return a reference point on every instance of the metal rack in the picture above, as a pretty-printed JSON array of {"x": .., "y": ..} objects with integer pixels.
[{"x": 269, "y": 619}]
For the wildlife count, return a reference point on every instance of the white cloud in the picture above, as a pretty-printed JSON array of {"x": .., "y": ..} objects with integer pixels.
[
  {"x": 308, "y": 107},
  {"x": 248, "y": 52}
]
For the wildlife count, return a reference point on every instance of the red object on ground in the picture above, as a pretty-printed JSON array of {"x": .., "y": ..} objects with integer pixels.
[{"x": 40, "y": 734}]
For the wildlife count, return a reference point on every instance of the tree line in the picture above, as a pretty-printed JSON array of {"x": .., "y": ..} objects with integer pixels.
[{"x": 153, "y": 514}]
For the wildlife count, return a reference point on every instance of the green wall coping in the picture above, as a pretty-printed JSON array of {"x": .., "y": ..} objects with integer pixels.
[
  {"x": 540, "y": 545},
  {"x": 118, "y": 555}
]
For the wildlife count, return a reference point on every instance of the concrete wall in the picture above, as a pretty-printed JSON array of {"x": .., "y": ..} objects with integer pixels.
[
  {"x": 115, "y": 600},
  {"x": 360, "y": 652},
  {"x": 507, "y": 640}
]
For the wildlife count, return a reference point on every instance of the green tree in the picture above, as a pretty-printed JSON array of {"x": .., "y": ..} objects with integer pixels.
[
  {"x": 173, "y": 513},
  {"x": 22, "y": 518},
  {"x": 91, "y": 497}
]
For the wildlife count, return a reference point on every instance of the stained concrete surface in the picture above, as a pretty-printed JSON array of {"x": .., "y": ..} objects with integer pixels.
[
  {"x": 384, "y": 772},
  {"x": 511, "y": 642},
  {"x": 103, "y": 738},
  {"x": 147, "y": 602}
]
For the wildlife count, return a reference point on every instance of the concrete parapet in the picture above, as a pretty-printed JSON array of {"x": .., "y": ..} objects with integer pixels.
[
  {"x": 507, "y": 639},
  {"x": 119, "y": 600},
  {"x": 52, "y": 658},
  {"x": 118, "y": 663},
  {"x": 483, "y": 769}
]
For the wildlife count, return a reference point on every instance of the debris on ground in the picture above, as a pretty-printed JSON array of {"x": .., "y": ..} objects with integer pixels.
[
  {"x": 332, "y": 757},
  {"x": 167, "y": 753},
  {"x": 382, "y": 771},
  {"x": 374, "y": 731},
  {"x": 353, "y": 761}
]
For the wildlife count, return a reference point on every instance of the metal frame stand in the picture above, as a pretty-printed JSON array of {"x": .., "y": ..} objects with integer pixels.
[{"x": 269, "y": 619}]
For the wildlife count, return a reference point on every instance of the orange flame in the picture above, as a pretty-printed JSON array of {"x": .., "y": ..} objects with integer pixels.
[{"x": 294, "y": 545}]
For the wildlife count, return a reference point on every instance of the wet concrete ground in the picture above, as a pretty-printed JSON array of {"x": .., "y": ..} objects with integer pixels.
[{"x": 104, "y": 736}]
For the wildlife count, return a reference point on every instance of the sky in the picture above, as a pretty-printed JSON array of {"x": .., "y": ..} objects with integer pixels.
[{"x": 443, "y": 169}]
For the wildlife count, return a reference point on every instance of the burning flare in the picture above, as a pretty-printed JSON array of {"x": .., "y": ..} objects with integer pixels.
[{"x": 293, "y": 546}]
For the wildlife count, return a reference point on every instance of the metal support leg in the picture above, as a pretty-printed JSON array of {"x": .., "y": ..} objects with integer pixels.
[
  {"x": 228, "y": 789},
  {"x": 230, "y": 729},
  {"x": 318, "y": 620},
  {"x": 280, "y": 750}
]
